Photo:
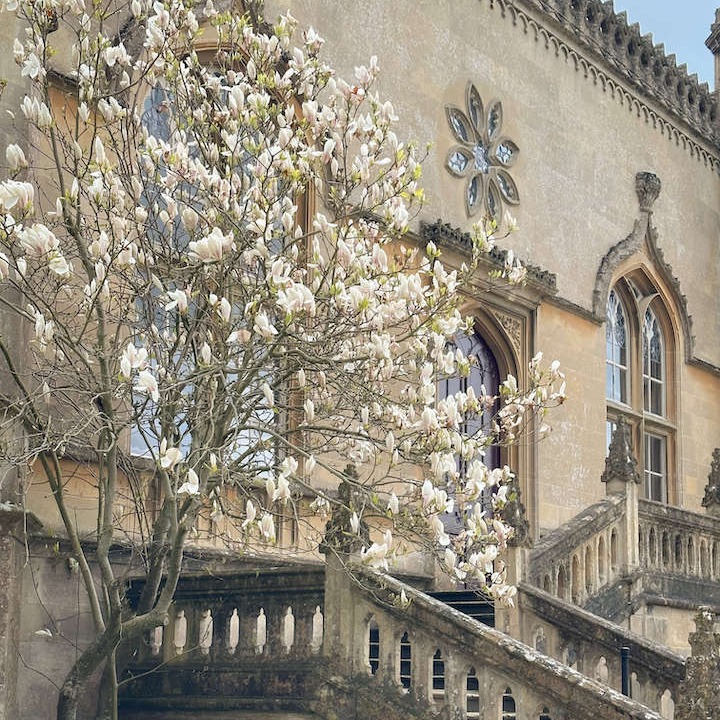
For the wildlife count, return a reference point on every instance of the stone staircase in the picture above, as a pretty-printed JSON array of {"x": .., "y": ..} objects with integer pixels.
[
  {"x": 469, "y": 603},
  {"x": 309, "y": 643}
]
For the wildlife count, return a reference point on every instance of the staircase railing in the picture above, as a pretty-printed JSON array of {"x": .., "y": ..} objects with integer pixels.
[
  {"x": 250, "y": 639},
  {"x": 593, "y": 645},
  {"x": 585, "y": 554},
  {"x": 677, "y": 541},
  {"x": 384, "y": 635}
]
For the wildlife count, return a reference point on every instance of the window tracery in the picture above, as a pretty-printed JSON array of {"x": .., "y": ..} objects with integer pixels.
[
  {"x": 483, "y": 155},
  {"x": 638, "y": 351}
]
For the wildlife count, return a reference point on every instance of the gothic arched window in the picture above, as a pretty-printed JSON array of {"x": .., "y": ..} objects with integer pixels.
[
  {"x": 484, "y": 378},
  {"x": 638, "y": 350}
]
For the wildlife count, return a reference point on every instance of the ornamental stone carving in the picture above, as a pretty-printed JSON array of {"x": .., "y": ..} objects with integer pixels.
[
  {"x": 620, "y": 464},
  {"x": 482, "y": 156},
  {"x": 339, "y": 537},
  {"x": 513, "y": 329},
  {"x": 647, "y": 186},
  {"x": 711, "y": 501}
]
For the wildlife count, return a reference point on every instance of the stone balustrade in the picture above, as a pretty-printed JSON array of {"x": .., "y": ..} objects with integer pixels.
[
  {"x": 393, "y": 641},
  {"x": 251, "y": 636},
  {"x": 678, "y": 542},
  {"x": 584, "y": 555},
  {"x": 592, "y": 645},
  {"x": 622, "y": 539}
]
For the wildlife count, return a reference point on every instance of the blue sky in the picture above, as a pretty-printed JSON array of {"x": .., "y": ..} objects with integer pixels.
[{"x": 681, "y": 26}]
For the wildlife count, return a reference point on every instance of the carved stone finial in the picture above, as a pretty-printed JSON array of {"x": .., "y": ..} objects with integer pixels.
[
  {"x": 711, "y": 501},
  {"x": 514, "y": 514},
  {"x": 620, "y": 464},
  {"x": 697, "y": 694},
  {"x": 647, "y": 186},
  {"x": 339, "y": 537}
]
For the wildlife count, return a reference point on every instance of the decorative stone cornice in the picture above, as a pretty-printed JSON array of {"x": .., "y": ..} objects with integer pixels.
[
  {"x": 628, "y": 65},
  {"x": 443, "y": 235},
  {"x": 620, "y": 464}
]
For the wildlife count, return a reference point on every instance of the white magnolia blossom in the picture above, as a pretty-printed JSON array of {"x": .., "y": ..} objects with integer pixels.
[
  {"x": 191, "y": 486},
  {"x": 147, "y": 384},
  {"x": 15, "y": 157},
  {"x": 169, "y": 456},
  {"x": 261, "y": 350},
  {"x": 14, "y": 192}
]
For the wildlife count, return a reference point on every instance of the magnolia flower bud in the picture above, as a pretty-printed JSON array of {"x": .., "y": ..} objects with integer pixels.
[{"x": 15, "y": 157}]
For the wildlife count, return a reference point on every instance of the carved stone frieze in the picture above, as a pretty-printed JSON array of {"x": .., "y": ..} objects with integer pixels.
[{"x": 443, "y": 234}]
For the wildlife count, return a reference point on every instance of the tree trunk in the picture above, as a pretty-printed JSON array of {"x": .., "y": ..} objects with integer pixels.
[{"x": 107, "y": 705}]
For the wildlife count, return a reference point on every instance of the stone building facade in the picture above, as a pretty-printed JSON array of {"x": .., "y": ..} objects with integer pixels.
[{"x": 607, "y": 155}]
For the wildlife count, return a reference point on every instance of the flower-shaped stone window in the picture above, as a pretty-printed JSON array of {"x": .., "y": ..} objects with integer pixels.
[{"x": 483, "y": 156}]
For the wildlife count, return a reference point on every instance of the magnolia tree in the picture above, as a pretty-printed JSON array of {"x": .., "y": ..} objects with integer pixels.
[{"x": 208, "y": 234}]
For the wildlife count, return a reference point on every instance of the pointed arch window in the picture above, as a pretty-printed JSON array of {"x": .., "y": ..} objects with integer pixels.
[
  {"x": 653, "y": 365},
  {"x": 616, "y": 350},
  {"x": 484, "y": 378},
  {"x": 639, "y": 373}
]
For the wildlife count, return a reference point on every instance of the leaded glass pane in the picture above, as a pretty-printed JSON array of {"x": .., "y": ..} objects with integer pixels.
[
  {"x": 484, "y": 378},
  {"x": 493, "y": 200},
  {"x": 616, "y": 350},
  {"x": 459, "y": 124},
  {"x": 610, "y": 427},
  {"x": 475, "y": 108},
  {"x": 458, "y": 161},
  {"x": 495, "y": 118},
  {"x": 506, "y": 152},
  {"x": 655, "y": 467},
  {"x": 653, "y": 365},
  {"x": 156, "y": 114},
  {"x": 474, "y": 193},
  {"x": 507, "y": 186}
]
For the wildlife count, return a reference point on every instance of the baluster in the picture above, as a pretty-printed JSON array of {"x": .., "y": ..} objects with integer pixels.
[
  {"x": 156, "y": 640},
  {"x": 317, "y": 631},
  {"x": 232, "y": 638},
  {"x": 180, "y": 632},
  {"x": 288, "y": 630},
  {"x": 260, "y": 632},
  {"x": 205, "y": 631}
]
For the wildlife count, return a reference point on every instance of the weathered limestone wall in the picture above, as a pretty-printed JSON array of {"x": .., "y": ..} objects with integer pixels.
[
  {"x": 668, "y": 626},
  {"x": 571, "y": 457},
  {"x": 581, "y": 144},
  {"x": 583, "y": 135},
  {"x": 54, "y": 624}
]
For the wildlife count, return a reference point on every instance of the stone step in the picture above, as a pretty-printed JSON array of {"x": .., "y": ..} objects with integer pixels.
[{"x": 469, "y": 603}]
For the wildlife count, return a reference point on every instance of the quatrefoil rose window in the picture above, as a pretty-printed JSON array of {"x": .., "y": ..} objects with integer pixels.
[{"x": 483, "y": 156}]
